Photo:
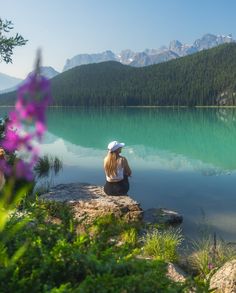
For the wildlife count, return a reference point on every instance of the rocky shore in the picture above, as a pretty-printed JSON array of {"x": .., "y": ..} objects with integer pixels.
[{"x": 90, "y": 201}]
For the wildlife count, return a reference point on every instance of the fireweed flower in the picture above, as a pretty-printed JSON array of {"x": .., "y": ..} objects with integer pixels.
[
  {"x": 27, "y": 122},
  {"x": 211, "y": 266}
]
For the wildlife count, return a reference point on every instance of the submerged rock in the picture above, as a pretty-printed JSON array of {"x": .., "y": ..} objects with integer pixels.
[
  {"x": 162, "y": 216},
  {"x": 90, "y": 201}
]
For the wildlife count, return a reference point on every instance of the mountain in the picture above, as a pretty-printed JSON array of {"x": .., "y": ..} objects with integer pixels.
[
  {"x": 151, "y": 56},
  {"x": 7, "y": 81},
  {"x": 48, "y": 71},
  {"x": 209, "y": 41},
  {"x": 11, "y": 83},
  {"x": 82, "y": 59},
  {"x": 207, "y": 78}
]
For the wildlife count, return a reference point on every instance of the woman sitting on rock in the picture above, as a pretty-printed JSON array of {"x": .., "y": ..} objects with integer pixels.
[{"x": 117, "y": 170}]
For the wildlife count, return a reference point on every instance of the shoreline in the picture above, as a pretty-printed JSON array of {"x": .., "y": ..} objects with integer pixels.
[{"x": 101, "y": 107}]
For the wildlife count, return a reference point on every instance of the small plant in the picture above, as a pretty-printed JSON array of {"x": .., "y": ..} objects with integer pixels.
[
  {"x": 199, "y": 285},
  {"x": 129, "y": 236},
  {"x": 163, "y": 244},
  {"x": 46, "y": 164},
  {"x": 210, "y": 254}
]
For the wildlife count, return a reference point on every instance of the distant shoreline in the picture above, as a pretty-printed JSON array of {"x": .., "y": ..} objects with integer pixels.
[{"x": 100, "y": 107}]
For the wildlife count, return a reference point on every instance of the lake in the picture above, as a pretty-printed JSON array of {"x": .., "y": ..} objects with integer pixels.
[{"x": 182, "y": 159}]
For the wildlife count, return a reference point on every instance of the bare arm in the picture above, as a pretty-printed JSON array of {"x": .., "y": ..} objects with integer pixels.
[{"x": 127, "y": 170}]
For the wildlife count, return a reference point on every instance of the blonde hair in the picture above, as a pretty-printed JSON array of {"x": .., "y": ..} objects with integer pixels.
[{"x": 110, "y": 164}]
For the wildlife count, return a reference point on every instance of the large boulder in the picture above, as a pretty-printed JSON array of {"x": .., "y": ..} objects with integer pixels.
[
  {"x": 90, "y": 201},
  {"x": 225, "y": 278}
]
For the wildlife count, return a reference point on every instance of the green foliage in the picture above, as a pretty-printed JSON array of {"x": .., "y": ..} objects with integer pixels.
[
  {"x": 135, "y": 276},
  {"x": 7, "y": 44},
  {"x": 130, "y": 236},
  {"x": 162, "y": 244},
  {"x": 198, "y": 285},
  {"x": 9, "y": 200},
  {"x": 208, "y": 255},
  {"x": 61, "y": 259}
]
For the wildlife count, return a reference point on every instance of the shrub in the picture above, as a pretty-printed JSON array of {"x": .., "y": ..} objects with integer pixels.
[
  {"x": 136, "y": 276},
  {"x": 58, "y": 259}
]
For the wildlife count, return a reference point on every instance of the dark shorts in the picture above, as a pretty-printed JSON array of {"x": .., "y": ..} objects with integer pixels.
[{"x": 117, "y": 188}]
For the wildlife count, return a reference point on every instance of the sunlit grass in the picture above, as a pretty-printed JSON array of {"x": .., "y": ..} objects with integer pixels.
[
  {"x": 163, "y": 244},
  {"x": 209, "y": 254},
  {"x": 129, "y": 236}
]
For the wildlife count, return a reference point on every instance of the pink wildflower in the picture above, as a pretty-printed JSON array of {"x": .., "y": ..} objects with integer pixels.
[
  {"x": 211, "y": 266},
  {"x": 33, "y": 97}
]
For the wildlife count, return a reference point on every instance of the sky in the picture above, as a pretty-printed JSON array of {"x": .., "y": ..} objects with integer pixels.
[{"x": 65, "y": 28}]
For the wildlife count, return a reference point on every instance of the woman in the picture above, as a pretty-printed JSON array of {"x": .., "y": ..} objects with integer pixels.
[{"x": 117, "y": 170}]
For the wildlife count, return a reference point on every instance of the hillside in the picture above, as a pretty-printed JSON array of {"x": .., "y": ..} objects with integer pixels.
[
  {"x": 7, "y": 82},
  {"x": 204, "y": 78}
]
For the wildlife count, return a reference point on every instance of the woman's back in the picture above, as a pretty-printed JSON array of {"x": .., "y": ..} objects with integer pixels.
[{"x": 117, "y": 170}]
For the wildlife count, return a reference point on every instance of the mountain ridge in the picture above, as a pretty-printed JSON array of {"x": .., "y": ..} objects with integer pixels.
[{"x": 147, "y": 57}]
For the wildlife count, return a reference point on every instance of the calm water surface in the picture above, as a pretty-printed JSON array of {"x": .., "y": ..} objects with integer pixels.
[{"x": 181, "y": 159}]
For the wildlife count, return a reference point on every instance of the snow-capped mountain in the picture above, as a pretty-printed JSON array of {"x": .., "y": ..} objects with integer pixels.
[
  {"x": 82, "y": 59},
  {"x": 151, "y": 56}
]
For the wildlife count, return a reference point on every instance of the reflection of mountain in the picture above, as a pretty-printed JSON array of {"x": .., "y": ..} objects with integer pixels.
[
  {"x": 142, "y": 157},
  {"x": 195, "y": 134}
]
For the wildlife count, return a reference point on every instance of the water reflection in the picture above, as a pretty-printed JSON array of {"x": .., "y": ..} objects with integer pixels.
[{"x": 207, "y": 136}]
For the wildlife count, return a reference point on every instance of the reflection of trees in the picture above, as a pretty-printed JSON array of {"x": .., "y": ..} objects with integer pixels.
[
  {"x": 197, "y": 134},
  {"x": 226, "y": 115}
]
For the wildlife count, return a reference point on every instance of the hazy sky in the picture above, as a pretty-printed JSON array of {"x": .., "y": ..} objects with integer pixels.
[{"x": 65, "y": 28}]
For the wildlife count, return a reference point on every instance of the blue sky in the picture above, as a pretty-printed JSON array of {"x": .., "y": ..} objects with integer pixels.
[{"x": 63, "y": 29}]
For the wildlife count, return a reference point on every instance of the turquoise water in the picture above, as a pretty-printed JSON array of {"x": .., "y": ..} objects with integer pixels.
[{"x": 182, "y": 159}]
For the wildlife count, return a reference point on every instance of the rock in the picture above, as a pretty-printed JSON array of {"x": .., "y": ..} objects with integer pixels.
[
  {"x": 89, "y": 202},
  {"x": 225, "y": 278},
  {"x": 175, "y": 273},
  {"x": 162, "y": 216}
]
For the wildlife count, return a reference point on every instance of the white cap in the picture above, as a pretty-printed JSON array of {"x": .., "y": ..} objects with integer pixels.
[{"x": 115, "y": 145}]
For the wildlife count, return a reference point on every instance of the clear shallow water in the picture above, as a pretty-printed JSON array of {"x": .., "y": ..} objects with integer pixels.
[{"x": 182, "y": 159}]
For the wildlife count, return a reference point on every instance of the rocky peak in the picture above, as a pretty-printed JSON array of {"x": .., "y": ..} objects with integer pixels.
[
  {"x": 175, "y": 45},
  {"x": 126, "y": 56},
  {"x": 151, "y": 56}
]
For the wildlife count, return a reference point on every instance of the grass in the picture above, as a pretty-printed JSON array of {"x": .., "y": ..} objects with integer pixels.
[
  {"x": 209, "y": 254},
  {"x": 163, "y": 244},
  {"x": 46, "y": 164},
  {"x": 129, "y": 236}
]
